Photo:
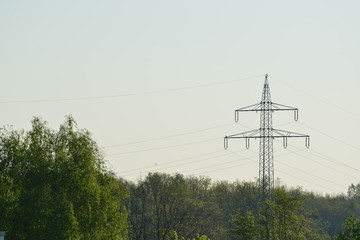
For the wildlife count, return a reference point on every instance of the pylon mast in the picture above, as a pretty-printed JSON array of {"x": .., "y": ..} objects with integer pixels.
[
  {"x": 266, "y": 156},
  {"x": 266, "y": 133}
]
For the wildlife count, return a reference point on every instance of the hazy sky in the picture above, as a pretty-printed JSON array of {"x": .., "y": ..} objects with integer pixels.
[{"x": 157, "y": 82}]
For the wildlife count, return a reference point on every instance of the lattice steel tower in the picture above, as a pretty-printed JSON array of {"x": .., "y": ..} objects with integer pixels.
[{"x": 266, "y": 133}]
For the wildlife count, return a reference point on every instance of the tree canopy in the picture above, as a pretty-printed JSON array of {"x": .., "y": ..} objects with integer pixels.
[
  {"x": 351, "y": 229},
  {"x": 54, "y": 185}
]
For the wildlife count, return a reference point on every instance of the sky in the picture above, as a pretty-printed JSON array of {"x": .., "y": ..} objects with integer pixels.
[{"x": 157, "y": 82}]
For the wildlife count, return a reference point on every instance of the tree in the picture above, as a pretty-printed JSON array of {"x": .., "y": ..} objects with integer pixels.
[
  {"x": 230, "y": 198},
  {"x": 161, "y": 204},
  {"x": 284, "y": 216},
  {"x": 245, "y": 227},
  {"x": 351, "y": 229},
  {"x": 289, "y": 219},
  {"x": 354, "y": 191},
  {"x": 54, "y": 185}
]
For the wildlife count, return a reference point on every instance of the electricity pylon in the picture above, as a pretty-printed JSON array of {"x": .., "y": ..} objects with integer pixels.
[{"x": 266, "y": 133}]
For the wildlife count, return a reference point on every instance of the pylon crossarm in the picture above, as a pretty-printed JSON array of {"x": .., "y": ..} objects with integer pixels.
[
  {"x": 278, "y": 134},
  {"x": 285, "y": 135},
  {"x": 259, "y": 107},
  {"x": 281, "y": 107},
  {"x": 251, "y": 108},
  {"x": 246, "y": 135},
  {"x": 282, "y": 133}
]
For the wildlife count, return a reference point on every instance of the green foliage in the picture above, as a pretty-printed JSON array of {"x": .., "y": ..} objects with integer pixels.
[
  {"x": 54, "y": 185},
  {"x": 328, "y": 212},
  {"x": 162, "y": 204},
  {"x": 230, "y": 199},
  {"x": 280, "y": 218},
  {"x": 174, "y": 236},
  {"x": 288, "y": 220},
  {"x": 354, "y": 191},
  {"x": 351, "y": 229},
  {"x": 245, "y": 227}
]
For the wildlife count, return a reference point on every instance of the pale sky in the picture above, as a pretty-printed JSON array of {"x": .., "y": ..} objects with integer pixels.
[{"x": 157, "y": 82}]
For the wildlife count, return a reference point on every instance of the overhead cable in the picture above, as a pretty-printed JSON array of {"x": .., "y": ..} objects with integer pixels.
[{"x": 126, "y": 94}]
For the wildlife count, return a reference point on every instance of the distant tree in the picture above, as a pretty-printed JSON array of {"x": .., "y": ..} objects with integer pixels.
[
  {"x": 246, "y": 227},
  {"x": 354, "y": 191},
  {"x": 351, "y": 229},
  {"x": 161, "y": 204},
  {"x": 54, "y": 185},
  {"x": 284, "y": 216},
  {"x": 289, "y": 218},
  {"x": 328, "y": 212},
  {"x": 232, "y": 198}
]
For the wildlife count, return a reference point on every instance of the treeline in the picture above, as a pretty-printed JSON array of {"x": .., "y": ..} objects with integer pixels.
[
  {"x": 55, "y": 185},
  {"x": 161, "y": 204}
]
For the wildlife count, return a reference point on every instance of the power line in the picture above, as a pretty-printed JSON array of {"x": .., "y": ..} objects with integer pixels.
[
  {"x": 237, "y": 165},
  {"x": 169, "y": 136},
  {"x": 235, "y": 153},
  {"x": 225, "y": 168},
  {"x": 319, "y": 99},
  {"x": 334, "y": 138},
  {"x": 253, "y": 161},
  {"x": 327, "y": 158},
  {"x": 127, "y": 94},
  {"x": 307, "y": 173},
  {"x": 296, "y": 152},
  {"x": 301, "y": 179},
  {"x": 165, "y": 137},
  {"x": 182, "y": 164},
  {"x": 196, "y": 161},
  {"x": 149, "y": 167},
  {"x": 324, "y": 165},
  {"x": 166, "y": 147},
  {"x": 304, "y": 180},
  {"x": 175, "y": 161},
  {"x": 220, "y": 164}
]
